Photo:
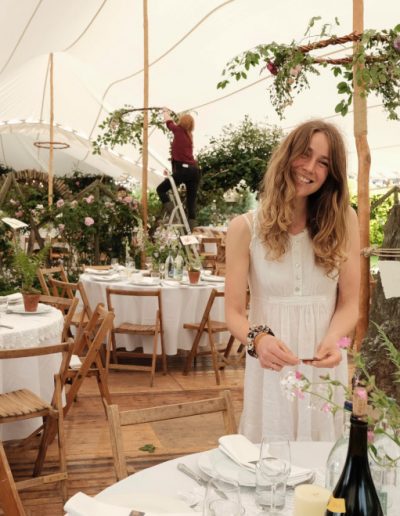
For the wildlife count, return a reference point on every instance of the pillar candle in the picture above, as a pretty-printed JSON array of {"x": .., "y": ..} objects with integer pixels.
[{"x": 310, "y": 500}]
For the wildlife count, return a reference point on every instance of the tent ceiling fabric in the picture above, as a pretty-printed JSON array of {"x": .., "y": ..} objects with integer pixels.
[{"x": 98, "y": 59}]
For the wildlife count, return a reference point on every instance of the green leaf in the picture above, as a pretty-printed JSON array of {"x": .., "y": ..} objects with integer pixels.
[{"x": 150, "y": 448}]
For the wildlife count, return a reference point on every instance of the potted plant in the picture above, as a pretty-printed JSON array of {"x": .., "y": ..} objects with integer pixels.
[
  {"x": 193, "y": 267},
  {"x": 26, "y": 266}
]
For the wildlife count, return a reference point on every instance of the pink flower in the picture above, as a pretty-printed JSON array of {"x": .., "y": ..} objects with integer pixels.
[
  {"x": 74, "y": 204},
  {"x": 396, "y": 44},
  {"x": 19, "y": 213},
  {"x": 89, "y": 221},
  {"x": 127, "y": 199},
  {"x": 294, "y": 72},
  {"x": 89, "y": 199},
  {"x": 343, "y": 342},
  {"x": 299, "y": 394},
  {"x": 60, "y": 203},
  {"x": 326, "y": 408},
  {"x": 298, "y": 375},
  {"x": 272, "y": 68},
  {"x": 361, "y": 393},
  {"x": 370, "y": 436}
]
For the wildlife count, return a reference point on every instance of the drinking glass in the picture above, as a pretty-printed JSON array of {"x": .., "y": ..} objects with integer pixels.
[
  {"x": 129, "y": 267},
  {"x": 272, "y": 472},
  {"x": 221, "y": 490},
  {"x": 114, "y": 264},
  {"x": 161, "y": 269}
]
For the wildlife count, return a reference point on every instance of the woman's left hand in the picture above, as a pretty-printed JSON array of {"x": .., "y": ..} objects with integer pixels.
[{"x": 328, "y": 355}]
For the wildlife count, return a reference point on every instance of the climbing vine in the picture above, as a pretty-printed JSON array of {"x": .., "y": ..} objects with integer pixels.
[{"x": 377, "y": 60}]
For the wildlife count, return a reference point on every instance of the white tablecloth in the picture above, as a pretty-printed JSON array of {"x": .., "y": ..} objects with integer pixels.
[
  {"x": 166, "y": 480},
  {"x": 34, "y": 373},
  {"x": 180, "y": 304}
]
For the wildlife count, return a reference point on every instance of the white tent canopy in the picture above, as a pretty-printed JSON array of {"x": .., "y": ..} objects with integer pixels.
[{"x": 98, "y": 60}]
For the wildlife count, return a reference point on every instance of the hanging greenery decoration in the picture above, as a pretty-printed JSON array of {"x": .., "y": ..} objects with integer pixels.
[
  {"x": 376, "y": 58},
  {"x": 125, "y": 125}
]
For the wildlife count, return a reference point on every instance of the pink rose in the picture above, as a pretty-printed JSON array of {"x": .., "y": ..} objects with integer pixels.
[
  {"x": 127, "y": 199},
  {"x": 60, "y": 203},
  {"x": 343, "y": 342},
  {"x": 326, "y": 408},
  {"x": 361, "y": 393},
  {"x": 89, "y": 221},
  {"x": 19, "y": 213},
  {"x": 272, "y": 68},
  {"x": 298, "y": 375},
  {"x": 89, "y": 199}
]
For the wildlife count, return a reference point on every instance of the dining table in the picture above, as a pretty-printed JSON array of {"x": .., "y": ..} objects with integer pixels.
[
  {"x": 164, "y": 488},
  {"x": 181, "y": 303},
  {"x": 21, "y": 329}
]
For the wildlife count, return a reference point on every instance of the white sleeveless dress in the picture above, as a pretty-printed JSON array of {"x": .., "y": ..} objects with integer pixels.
[{"x": 296, "y": 299}]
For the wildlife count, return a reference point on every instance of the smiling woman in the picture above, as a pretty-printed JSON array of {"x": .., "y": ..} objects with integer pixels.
[{"x": 299, "y": 253}]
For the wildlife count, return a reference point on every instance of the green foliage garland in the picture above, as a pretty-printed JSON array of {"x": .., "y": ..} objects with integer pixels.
[{"x": 377, "y": 57}]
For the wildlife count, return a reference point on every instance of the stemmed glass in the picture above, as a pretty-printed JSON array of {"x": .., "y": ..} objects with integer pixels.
[
  {"x": 114, "y": 264},
  {"x": 222, "y": 498},
  {"x": 272, "y": 472}
]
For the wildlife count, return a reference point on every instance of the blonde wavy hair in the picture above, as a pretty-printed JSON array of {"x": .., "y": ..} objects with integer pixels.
[
  {"x": 186, "y": 121},
  {"x": 326, "y": 208}
]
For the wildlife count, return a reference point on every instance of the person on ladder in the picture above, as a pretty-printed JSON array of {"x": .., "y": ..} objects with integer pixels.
[{"x": 184, "y": 166}]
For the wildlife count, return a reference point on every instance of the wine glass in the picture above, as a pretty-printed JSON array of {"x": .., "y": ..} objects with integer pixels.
[
  {"x": 272, "y": 472},
  {"x": 114, "y": 264},
  {"x": 220, "y": 492},
  {"x": 161, "y": 269}
]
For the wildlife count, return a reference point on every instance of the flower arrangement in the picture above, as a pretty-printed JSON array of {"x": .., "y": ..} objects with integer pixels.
[
  {"x": 384, "y": 413},
  {"x": 159, "y": 244}
]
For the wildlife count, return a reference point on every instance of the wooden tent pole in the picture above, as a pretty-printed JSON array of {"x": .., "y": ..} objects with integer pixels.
[
  {"x": 145, "y": 157},
  {"x": 51, "y": 173},
  {"x": 364, "y": 164}
]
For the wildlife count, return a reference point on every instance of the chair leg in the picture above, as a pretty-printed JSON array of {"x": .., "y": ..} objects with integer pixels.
[
  {"x": 192, "y": 354},
  {"x": 154, "y": 357},
  {"x": 163, "y": 355},
  {"x": 214, "y": 355},
  {"x": 227, "y": 351}
]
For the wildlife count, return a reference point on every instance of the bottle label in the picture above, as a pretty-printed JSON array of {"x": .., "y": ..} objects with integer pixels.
[{"x": 337, "y": 505}]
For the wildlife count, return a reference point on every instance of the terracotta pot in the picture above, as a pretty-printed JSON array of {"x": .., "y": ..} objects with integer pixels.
[
  {"x": 194, "y": 276},
  {"x": 31, "y": 302}
]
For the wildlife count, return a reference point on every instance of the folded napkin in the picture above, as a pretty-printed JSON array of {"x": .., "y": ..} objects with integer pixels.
[
  {"x": 83, "y": 505},
  {"x": 242, "y": 451},
  {"x": 14, "y": 298}
]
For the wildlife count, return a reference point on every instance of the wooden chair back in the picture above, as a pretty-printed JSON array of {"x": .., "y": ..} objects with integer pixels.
[
  {"x": 209, "y": 250},
  {"x": 88, "y": 347},
  {"x": 10, "y": 501},
  {"x": 211, "y": 327},
  {"x": 136, "y": 328},
  {"x": 44, "y": 275},
  {"x": 118, "y": 419},
  {"x": 24, "y": 404},
  {"x": 67, "y": 307}
]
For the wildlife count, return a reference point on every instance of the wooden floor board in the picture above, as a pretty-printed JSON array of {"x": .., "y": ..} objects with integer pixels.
[{"x": 90, "y": 467}]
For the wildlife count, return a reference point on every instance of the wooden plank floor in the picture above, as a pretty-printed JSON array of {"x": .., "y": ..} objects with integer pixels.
[{"x": 90, "y": 466}]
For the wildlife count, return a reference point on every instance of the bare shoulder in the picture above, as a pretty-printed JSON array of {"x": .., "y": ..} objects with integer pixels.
[{"x": 240, "y": 226}]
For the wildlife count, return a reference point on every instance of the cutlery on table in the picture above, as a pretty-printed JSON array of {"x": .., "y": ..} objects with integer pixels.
[{"x": 197, "y": 478}]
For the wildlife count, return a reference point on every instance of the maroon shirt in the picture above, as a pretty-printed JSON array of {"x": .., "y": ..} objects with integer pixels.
[{"x": 182, "y": 146}]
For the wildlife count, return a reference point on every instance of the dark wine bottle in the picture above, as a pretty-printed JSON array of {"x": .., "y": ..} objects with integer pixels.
[{"x": 355, "y": 493}]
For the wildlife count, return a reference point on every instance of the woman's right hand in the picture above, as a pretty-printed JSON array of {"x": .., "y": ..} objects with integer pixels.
[{"x": 274, "y": 354}]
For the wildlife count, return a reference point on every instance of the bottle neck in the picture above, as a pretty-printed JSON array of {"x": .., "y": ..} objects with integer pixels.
[{"x": 358, "y": 443}]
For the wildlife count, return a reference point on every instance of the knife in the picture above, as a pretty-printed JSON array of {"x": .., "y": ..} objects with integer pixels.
[{"x": 197, "y": 478}]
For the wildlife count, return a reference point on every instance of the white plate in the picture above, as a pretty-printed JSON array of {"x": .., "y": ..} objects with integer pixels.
[
  {"x": 154, "y": 283},
  {"x": 108, "y": 279},
  {"x": 41, "y": 309},
  {"x": 146, "y": 502},
  {"x": 199, "y": 284},
  {"x": 214, "y": 279},
  {"x": 217, "y": 463}
]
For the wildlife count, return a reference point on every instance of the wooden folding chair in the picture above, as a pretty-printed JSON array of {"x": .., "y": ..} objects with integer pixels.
[
  {"x": 67, "y": 307},
  {"x": 209, "y": 250},
  {"x": 88, "y": 357},
  {"x": 10, "y": 501},
  {"x": 117, "y": 419},
  {"x": 70, "y": 290},
  {"x": 211, "y": 327},
  {"x": 44, "y": 275},
  {"x": 133, "y": 328},
  {"x": 24, "y": 404},
  {"x": 97, "y": 267}
]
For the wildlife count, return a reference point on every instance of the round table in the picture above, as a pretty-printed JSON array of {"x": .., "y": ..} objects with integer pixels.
[
  {"x": 33, "y": 373},
  {"x": 181, "y": 303},
  {"x": 166, "y": 480}
]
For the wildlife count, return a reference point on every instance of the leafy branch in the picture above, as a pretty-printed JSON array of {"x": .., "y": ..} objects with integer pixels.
[{"x": 376, "y": 60}]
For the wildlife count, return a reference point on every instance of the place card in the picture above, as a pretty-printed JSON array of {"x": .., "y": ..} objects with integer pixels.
[
  {"x": 14, "y": 223},
  {"x": 310, "y": 500}
]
